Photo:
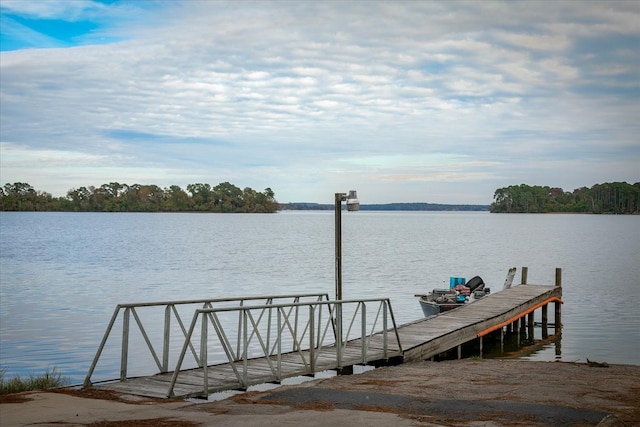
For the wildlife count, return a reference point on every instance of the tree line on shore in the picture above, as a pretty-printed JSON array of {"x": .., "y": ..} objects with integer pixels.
[
  {"x": 117, "y": 197},
  {"x": 607, "y": 198}
]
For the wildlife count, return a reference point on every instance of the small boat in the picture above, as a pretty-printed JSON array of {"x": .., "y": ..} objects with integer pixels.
[{"x": 459, "y": 294}]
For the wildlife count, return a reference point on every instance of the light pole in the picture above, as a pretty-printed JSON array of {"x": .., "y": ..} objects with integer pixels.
[{"x": 352, "y": 205}]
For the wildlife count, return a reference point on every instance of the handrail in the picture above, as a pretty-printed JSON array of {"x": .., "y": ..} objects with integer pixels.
[
  {"x": 170, "y": 308},
  {"x": 255, "y": 336}
]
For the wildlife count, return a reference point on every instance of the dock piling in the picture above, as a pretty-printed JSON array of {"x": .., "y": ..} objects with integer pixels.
[
  {"x": 558, "y": 315},
  {"x": 545, "y": 321},
  {"x": 530, "y": 326}
]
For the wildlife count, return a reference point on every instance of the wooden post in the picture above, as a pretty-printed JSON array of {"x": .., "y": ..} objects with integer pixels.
[
  {"x": 525, "y": 270},
  {"x": 545, "y": 321},
  {"x": 530, "y": 325},
  {"x": 459, "y": 351},
  {"x": 124, "y": 355},
  {"x": 558, "y": 315},
  {"x": 501, "y": 341},
  {"x": 481, "y": 347}
]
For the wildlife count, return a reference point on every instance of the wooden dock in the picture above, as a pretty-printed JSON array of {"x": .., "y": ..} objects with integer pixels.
[
  {"x": 419, "y": 340},
  {"x": 429, "y": 337}
]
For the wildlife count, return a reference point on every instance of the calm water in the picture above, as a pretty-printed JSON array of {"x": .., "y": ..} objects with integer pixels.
[{"x": 62, "y": 274}]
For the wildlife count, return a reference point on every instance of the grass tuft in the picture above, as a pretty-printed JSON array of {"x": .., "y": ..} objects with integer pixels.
[{"x": 50, "y": 379}]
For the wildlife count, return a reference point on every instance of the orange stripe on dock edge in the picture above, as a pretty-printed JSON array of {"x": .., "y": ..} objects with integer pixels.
[{"x": 514, "y": 318}]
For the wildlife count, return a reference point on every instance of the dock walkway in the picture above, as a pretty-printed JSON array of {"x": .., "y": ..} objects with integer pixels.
[
  {"x": 418, "y": 340},
  {"x": 429, "y": 337}
]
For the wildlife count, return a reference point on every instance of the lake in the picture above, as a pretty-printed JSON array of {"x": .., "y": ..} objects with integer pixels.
[{"x": 62, "y": 274}]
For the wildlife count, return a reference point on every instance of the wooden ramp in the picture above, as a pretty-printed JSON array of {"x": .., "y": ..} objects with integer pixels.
[{"x": 420, "y": 340}]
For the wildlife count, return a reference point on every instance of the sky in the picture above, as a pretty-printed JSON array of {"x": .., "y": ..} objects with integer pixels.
[{"x": 403, "y": 101}]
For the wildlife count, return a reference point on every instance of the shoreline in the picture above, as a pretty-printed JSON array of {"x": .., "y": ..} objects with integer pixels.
[{"x": 468, "y": 392}]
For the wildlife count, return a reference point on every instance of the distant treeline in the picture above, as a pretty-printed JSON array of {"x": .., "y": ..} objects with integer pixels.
[
  {"x": 388, "y": 207},
  {"x": 607, "y": 198},
  {"x": 116, "y": 197}
]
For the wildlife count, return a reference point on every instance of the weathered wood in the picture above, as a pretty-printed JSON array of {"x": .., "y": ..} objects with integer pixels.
[
  {"x": 558, "y": 314},
  {"x": 509, "y": 280}
]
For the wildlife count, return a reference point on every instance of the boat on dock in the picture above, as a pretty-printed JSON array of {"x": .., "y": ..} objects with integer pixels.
[{"x": 458, "y": 294}]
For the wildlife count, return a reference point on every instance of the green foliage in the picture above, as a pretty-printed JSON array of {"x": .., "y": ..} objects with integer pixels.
[
  {"x": 116, "y": 197},
  {"x": 610, "y": 198},
  {"x": 48, "y": 380}
]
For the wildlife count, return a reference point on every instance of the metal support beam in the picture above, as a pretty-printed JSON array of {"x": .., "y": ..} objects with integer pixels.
[{"x": 339, "y": 198}]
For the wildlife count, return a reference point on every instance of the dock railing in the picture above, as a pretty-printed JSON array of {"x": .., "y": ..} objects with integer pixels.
[
  {"x": 164, "y": 312},
  {"x": 304, "y": 332}
]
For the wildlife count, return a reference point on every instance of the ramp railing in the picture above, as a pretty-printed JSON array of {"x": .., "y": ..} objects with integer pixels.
[
  {"x": 165, "y": 313},
  {"x": 303, "y": 332}
]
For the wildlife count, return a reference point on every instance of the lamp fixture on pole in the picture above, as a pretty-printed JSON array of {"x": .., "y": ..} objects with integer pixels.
[{"x": 352, "y": 205}]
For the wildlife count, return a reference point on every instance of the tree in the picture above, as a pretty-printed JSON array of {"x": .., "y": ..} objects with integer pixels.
[
  {"x": 79, "y": 198},
  {"x": 176, "y": 199},
  {"x": 117, "y": 197},
  {"x": 151, "y": 198},
  {"x": 19, "y": 196},
  {"x": 267, "y": 200},
  {"x": 610, "y": 197},
  {"x": 228, "y": 197},
  {"x": 201, "y": 196}
]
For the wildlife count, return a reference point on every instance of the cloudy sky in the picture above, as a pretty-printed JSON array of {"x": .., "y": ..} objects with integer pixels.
[{"x": 428, "y": 101}]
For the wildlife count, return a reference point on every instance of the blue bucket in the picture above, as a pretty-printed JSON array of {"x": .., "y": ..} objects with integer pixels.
[{"x": 455, "y": 281}]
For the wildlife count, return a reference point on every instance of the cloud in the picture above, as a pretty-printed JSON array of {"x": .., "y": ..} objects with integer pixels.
[
  {"x": 52, "y": 9},
  {"x": 310, "y": 98}
]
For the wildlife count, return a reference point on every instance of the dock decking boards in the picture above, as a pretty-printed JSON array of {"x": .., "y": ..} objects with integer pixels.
[{"x": 420, "y": 340}]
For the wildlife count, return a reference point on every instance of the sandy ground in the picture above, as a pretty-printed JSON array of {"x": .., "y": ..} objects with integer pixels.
[{"x": 453, "y": 393}]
